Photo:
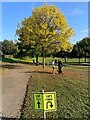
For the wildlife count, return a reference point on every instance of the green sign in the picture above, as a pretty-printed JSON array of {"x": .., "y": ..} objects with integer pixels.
[
  {"x": 38, "y": 101},
  {"x": 45, "y": 101}
]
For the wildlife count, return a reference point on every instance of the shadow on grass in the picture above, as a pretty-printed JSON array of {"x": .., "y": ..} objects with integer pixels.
[
  {"x": 42, "y": 72},
  {"x": 10, "y": 60},
  {"x": 60, "y": 118},
  {"x": 7, "y": 118},
  {"x": 11, "y": 66}
]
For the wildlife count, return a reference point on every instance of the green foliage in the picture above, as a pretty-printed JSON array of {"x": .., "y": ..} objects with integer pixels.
[
  {"x": 46, "y": 30},
  {"x": 9, "y": 47},
  {"x": 0, "y": 45},
  {"x": 81, "y": 48}
]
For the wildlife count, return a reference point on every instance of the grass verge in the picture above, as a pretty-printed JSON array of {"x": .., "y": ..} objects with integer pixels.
[{"x": 71, "y": 89}]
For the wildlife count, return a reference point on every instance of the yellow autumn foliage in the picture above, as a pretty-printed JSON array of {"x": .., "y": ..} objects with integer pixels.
[{"x": 46, "y": 27}]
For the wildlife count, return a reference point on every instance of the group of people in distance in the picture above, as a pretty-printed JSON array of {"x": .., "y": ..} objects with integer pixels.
[{"x": 60, "y": 65}]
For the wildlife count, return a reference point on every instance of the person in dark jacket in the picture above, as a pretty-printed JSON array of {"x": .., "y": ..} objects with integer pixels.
[{"x": 59, "y": 66}]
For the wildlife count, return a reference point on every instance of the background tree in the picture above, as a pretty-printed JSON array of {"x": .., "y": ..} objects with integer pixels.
[
  {"x": 1, "y": 53},
  {"x": 27, "y": 50},
  {"x": 63, "y": 54},
  {"x": 21, "y": 50},
  {"x": 9, "y": 47},
  {"x": 0, "y": 45},
  {"x": 46, "y": 29},
  {"x": 81, "y": 49}
]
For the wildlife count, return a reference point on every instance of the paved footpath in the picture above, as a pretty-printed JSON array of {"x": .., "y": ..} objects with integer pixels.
[{"x": 14, "y": 82}]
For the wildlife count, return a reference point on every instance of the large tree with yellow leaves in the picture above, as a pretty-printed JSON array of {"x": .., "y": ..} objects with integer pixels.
[{"x": 45, "y": 30}]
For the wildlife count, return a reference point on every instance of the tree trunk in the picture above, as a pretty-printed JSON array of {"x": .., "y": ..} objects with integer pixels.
[
  {"x": 43, "y": 61},
  {"x": 79, "y": 60},
  {"x": 65, "y": 59},
  {"x": 85, "y": 59},
  {"x": 36, "y": 59},
  {"x": 43, "y": 57}
]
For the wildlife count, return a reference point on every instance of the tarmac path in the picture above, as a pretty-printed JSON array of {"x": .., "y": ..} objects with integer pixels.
[{"x": 14, "y": 82}]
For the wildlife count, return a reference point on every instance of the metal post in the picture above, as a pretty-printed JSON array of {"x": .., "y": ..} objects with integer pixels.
[
  {"x": 44, "y": 115},
  {"x": 44, "y": 111}
]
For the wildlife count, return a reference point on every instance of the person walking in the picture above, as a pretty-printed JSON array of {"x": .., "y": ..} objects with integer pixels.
[
  {"x": 55, "y": 62},
  {"x": 53, "y": 66},
  {"x": 59, "y": 66}
]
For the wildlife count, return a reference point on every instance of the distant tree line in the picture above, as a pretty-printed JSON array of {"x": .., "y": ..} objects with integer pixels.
[
  {"x": 80, "y": 49},
  {"x": 18, "y": 49},
  {"x": 8, "y": 47}
]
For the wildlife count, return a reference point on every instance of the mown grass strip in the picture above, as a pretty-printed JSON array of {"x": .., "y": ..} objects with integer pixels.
[{"x": 72, "y": 93}]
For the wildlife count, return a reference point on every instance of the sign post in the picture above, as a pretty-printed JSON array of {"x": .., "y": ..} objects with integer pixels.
[
  {"x": 44, "y": 111},
  {"x": 45, "y": 101}
]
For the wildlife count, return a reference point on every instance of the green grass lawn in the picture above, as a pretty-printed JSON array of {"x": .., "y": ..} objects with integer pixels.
[
  {"x": 47, "y": 60},
  {"x": 16, "y": 60},
  {"x": 71, "y": 89}
]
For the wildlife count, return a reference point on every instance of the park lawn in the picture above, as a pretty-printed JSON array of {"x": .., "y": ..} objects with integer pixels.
[
  {"x": 48, "y": 60},
  {"x": 17, "y": 60},
  {"x": 71, "y": 89},
  {"x": 72, "y": 60}
]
